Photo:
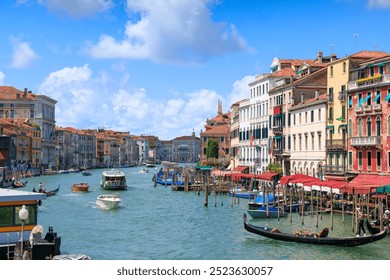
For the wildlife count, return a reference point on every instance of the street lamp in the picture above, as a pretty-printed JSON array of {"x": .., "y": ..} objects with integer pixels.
[{"x": 23, "y": 216}]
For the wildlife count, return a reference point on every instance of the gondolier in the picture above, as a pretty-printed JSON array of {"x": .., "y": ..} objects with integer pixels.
[{"x": 360, "y": 222}]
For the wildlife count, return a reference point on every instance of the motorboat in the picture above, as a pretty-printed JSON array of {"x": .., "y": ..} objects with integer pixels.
[
  {"x": 80, "y": 187},
  {"x": 20, "y": 234},
  {"x": 108, "y": 201},
  {"x": 113, "y": 179},
  {"x": 143, "y": 170},
  {"x": 86, "y": 173}
]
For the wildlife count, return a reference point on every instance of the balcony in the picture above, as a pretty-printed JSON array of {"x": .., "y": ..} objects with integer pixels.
[
  {"x": 277, "y": 152},
  {"x": 342, "y": 95},
  {"x": 367, "y": 108},
  {"x": 277, "y": 130},
  {"x": 335, "y": 170},
  {"x": 358, "y": 110},
  {"x": 369, "y": 82},
  {"x": 377, "y": 107},
  {"x": 368, "y": 141},
  {"x": 335, "y": 145}
]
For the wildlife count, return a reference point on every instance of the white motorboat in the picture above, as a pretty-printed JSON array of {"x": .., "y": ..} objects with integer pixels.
[
  {"x": 108, "y": 201},
  {"x": 143, "y": 170}
]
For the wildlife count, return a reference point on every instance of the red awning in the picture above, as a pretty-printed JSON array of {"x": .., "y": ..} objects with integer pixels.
[
  {"x": 240, "y": 169},
  {"x": 298, "y": 178},
  {"x": 266, "y": 176}
]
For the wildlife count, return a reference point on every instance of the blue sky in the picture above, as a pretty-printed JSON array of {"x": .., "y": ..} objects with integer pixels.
[{"x": 160, "y": 66}]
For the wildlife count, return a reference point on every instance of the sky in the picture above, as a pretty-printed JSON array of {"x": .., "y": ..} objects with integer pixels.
[{"x": 159, "y": 67}]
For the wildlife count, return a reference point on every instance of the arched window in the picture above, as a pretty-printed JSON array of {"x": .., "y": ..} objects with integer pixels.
[
  {"x": 350, "y": 128},
  {"x": 360, "y": 127},
  {"x": 369, "y": 126},
  {"x": 378, "y": 126}
]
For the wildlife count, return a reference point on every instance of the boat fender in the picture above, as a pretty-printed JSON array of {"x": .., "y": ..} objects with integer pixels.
[{"x": 39, "y": 202}]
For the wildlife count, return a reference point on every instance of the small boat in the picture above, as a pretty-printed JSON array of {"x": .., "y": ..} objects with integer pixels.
[
  {"x": 317, "y": 239},
  {"x": 86, "y": 173},
  {"x": 19, "y": 184},
  {"x": 143, "y": 170},
  {"x": 261, "y": 212},
  {"x": 150, "y": 164},
  {"x": 243, "y": 193},
  {"x": 48, "y": 193},
  {"x": 113, "y": 179},
  {"x": 108, "y": 201},
  {"x": 80, "y": 187}
]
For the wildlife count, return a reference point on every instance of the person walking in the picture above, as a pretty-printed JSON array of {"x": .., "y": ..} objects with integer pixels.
[{"x": 360, "y": 222}]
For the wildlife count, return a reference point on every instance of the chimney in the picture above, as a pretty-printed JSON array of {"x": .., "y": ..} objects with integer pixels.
[
  {"x": 18, "y": 96},
  {"x": 302, "y": 97},
  {"x": 319, "y": 57},
  {"x": 317, "y": 94},
  {"x": 333, "y": 57},
  {"x": 219, "y": 107}
]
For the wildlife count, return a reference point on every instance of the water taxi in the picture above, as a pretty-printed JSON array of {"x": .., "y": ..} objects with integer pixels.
[
  {"x": 80, "y": 187},
  {"x": 20, "y": 234},
  {"x": 113, "y": 179}
]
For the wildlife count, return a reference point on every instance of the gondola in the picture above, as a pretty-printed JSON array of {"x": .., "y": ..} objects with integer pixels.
[
  {"x": 333, "y": 241},
  {"x": 373, "y": 228},
  {"x": 19, "y": 184},
  {"x": 48, "y": 193}
]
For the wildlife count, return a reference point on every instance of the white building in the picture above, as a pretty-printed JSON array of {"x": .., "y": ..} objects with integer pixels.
[{"x": 308, "y": 135}]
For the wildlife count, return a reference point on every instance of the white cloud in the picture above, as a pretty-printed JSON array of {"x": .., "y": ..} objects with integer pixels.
[
  {"x": 240, "y": 89},
  {"x": 170, "y": 32},
  {"x": 77, "y": 8},
  {"x": 85, "y": 100},
  {"x": 379, "y": 3},
  {"x": 23, "y": 55},
  {"x": 2, "y": 76}
]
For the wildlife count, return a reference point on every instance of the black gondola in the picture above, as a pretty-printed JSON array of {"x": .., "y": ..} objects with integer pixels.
[
  {"x": 48, "y": 193},
  {"x": 333, "y": 241},
  {"x": 373, "y": 228}
]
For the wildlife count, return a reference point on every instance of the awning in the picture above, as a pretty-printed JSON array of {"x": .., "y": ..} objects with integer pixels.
[
  {"x": 342, "y": 126},
  {"x": 387, "y": 97},
  {"x": 330, "y": 127},
  {"x": 267, "y": 176},
  {"x": 240, "y": 169}
]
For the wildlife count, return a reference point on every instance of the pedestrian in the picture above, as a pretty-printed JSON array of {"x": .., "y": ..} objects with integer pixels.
[{"x": 360, "y": 222}]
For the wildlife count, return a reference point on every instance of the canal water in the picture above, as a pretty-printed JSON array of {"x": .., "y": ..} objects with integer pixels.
[{"x": 156, "y": 223}]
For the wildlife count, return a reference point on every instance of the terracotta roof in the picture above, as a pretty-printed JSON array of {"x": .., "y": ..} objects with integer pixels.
[
  {"x": 11, "y": 93},
  {"x": 217, "y": 130},
  {"x": 286, "y": 72},
  {"x": 369, "y": 54}
]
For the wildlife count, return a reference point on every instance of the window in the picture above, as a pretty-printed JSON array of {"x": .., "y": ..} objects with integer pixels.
[
  {"x": 300, "y": 142},
  {"x": 349, "y": 102},
  {"x": 377, "y": 99},
  {"x": 306, "y": 142},
  {"x": 343, "y": 112},
  {"x": 368, "y": 98},
  {"x": 319, "y": 140},
  {"x": 305, "y": 117},
  {"x": 378, "y": 126},
  {"x": 222, "y": 139},
  {"x": 331, "y": 71},
  {"x": 319, "y": 114},
  {"x": 350, "y": 158},
  {"x": 360, "y": 98},
  {"x": 372, "y": 71},
  {"x": 369, "y": 159},
  {"x": 32, "y": 115},
  {"x": 388, "y": 126},
  {"x": 312, "y": 141},
  {"x": 312, "y": 116},
  {"x": 330, "y": 117},
  {"x": 360, "y": 159},
  {"x": 360, "y": 127},
  {"x": 369, "y": 126},
  {"x": 378, "y": 159},
  {"x": 12, "y": 114},
  {"x": 344, "y": 67},
  {"x": 294, "y": 143}
]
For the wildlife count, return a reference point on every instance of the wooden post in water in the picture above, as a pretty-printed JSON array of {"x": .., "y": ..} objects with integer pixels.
[
  {"x": 303, "y": 205},
  {"x": 311, "y": 202},
  {"x": 331, "y": 209},
  {"x": 291, "y": 190},
  {"x": 317, "y": 210},
  {"x": 206, "y": 190},
  {"x": 321, "y": 203},
  {"x": 342, "y": 210}
]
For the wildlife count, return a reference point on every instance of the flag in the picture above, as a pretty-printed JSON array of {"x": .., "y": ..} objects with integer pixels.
[{"x": 251, "y": 139}]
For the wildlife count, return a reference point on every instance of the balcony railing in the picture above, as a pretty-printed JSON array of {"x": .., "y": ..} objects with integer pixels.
[
  {"x": 335, "y": 170},
  {"x": 335, "y": 144},
  {"x": 367, "y": 108},
  {"x": 342, "y": 95},
  {"x": 366, "y": 141},
  {"x": 277, "y": 152},
  {"x": 370, "y": 81},
  {"x": 358, "y": 110},
  {"x": 377, "y": 107},
  {"x": 277, "y": 130}
]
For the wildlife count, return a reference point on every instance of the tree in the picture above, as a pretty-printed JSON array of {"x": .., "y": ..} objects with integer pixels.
[{"x": 212, "y": 149}]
